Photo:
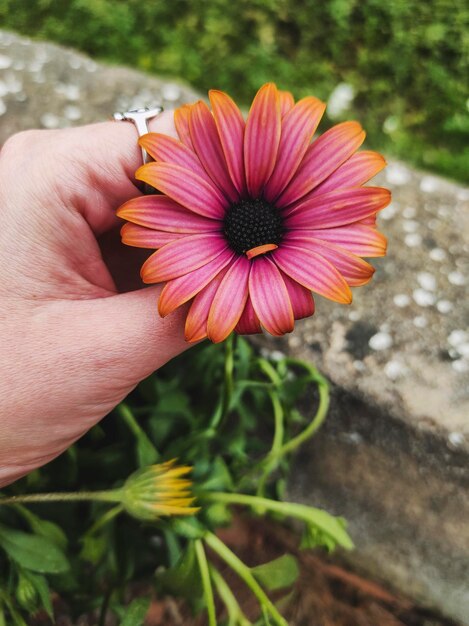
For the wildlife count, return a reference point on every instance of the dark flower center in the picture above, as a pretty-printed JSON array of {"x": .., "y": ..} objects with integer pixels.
[{"x": 252, "y": 223}]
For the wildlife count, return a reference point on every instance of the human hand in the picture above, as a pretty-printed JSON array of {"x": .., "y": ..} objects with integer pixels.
[{"x": 72, "y": 346}]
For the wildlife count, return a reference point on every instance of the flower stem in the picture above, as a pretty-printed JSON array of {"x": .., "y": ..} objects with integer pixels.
[
  {"x": 236, "y": 617},
  {"x": 245, "y": 574},
  {"x": 113, "y": 495},
  {"x": 206, "y": 582}
]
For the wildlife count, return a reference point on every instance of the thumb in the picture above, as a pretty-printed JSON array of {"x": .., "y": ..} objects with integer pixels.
[{"x": 126, "y": 336}]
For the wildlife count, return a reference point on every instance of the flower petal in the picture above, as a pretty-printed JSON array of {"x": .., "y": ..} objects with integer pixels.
[
  {"x": 196, "y": 321},
  {"x": 337, "y": 208},
  {"x": 301, "y": 298},
  {"x": 287, "y": 102},
  {"x": 184, "y": 187},
  {"x": 162, "y": 213},
  {"x": 270, "y": 297},
  {"x": 313, "y": 272},
  {"x": 169, "y": 150},
  {"x": 356, "y": 171},
  {"x": 182, "y": 257},
  {"x": 208, "y": 147},
  {"x": 298, "y": 127},
  {"x": 249, "y": 323},
  {"x": 261, "y": 138},
  {"x": 322, "y": 157},
  {"x": 355, "y": 270},
  {"x": 229, "y": 301},
  {"x": 230, "y": 125},
  {"x": 356, "y": 238},
  {"x": 181, "y": 121},
  {"x": 182, "y": 289},
  {"x": 140, "y": 237}
]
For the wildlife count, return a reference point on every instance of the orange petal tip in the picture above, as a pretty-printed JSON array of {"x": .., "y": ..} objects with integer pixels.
[{"x": 267, "y": 247}]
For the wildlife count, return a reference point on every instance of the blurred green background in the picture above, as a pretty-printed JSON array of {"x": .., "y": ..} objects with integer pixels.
[{"x": 400, "y": 67}]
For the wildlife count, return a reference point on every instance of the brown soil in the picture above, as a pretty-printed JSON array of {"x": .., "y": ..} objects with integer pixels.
[{"x": 326, "y": 594}]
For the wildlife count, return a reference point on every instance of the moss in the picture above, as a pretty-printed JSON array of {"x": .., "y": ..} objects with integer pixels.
[{"x": 407, "y": 60}]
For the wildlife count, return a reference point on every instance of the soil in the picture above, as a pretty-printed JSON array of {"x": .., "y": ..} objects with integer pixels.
[{"x": 327, "y": 593}]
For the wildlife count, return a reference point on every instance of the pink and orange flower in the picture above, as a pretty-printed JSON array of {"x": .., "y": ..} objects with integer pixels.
[{"x": 252, "y": 216}]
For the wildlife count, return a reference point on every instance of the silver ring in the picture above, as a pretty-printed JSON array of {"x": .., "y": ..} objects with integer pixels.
[{"x": 140, "y": 118}]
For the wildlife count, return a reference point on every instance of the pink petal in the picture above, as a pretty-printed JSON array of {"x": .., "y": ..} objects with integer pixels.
[
  {"x": 368, "y": 221},
  {"x": 229, "y": 301},
  {"x": 185, "y": 187},
  {"x": 337, "y": 208},
  {"x": 355, "y": 270},
  {"x": 249, "y": 323},
  {"x": 181, "y": 121},
  {"x": 230, "y": 126},
  {"x": 170, "y": 150},
  {"x": 313, "y": 272},
  {"x": 162, "y": 213},
  {"x": 323, "y": 157},
  {"x": 140, "y": 237},
  {"x": 298, "y": 128},
  {"x": 182, "y": 289},
  {"x": 261, "y": 138},
  {"x": 301, "y": 298},
  {"x": 270, "y": 297},
  {"x": 356, "y": 171},
  {"x": 356, "y": 238},
  {"x": 208, "y": 148},
  {"x": 196, "y": 321},
  {"x": 287, "y": 102},
  {"x": 182, "y": 256}
]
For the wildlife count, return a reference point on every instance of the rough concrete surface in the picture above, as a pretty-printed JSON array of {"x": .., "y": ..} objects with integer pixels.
[{"x": 393, "y": 456}]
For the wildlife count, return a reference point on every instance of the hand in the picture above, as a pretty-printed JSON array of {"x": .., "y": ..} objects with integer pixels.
[{"x": 72, "y": 346}]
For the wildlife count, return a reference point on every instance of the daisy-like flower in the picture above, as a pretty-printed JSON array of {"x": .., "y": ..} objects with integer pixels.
[
  {"x": 252, "y": 217},
  {"x": 157, "y": 491}
]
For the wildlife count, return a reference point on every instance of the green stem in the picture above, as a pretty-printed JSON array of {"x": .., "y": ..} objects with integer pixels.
[
  {"x": 236, "y": 616},
  {"x": 206, "y": 582},
  {"x": 245, "y": 574},
  {"x": 229, "y": 366},
  {"x": 272, "y": 458},
  {"x": 113, "y": 495}
]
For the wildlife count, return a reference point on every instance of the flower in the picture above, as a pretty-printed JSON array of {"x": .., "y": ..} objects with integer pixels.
[
  {"x": 158, "y": 490},
  {"x": 252, "y": 217}
]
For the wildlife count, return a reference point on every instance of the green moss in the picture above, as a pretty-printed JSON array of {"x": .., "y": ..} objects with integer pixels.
[{"x": 407, "y": 60}]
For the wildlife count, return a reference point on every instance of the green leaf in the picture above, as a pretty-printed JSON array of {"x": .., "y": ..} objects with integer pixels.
[
  {"x": 135, "y": 612},
  {"x": 43, "y": 527},
  {"x": 277, "y": 574},
  {"x": 184, "y": 578},
  {"x": 328, "y": 534},
  {"x": 189, "y": 527},
  {"x": 39, "y": 582},
  {"x": 33, "y": 551}
]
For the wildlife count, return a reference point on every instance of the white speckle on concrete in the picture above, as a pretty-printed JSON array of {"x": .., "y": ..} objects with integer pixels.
[
  {"x": 75, "y": 63},
  {"x": 354, "y": 316},
  {"x": 49, "y": 120},
  {"x": 401, "y": 300},
  {"x": 72, "y": 112},
  {"x": 380, "y": 341},
  {"x": 3, "y": 107},
  {"x": 426, "y": 281},
  {"x": 409, "y": 212},
  {"x": 294, "y": 341},
  {"x": 354, "y": 437},
  {"x": 389, "y": 212},
  {"x": 457, "y": 278},
  {"x": 394, "y": 369},
  {"x": 359, "y": 365},
  {"x": 457, "y": 337},
  {"x": 420, "y": 321},
  {"x": 5, "y": 62},
  {"x": 397, "y": 174},
  {"x": 437, "y": 254},
  {"x": 456, "y": 439},
  {"x": 423, "y": 297},
  {"x": 444, "y": 306},
  {"x": 171, "y": 92},
  {"x": 69, "y": 91},
  {"x": 460, "y": 365},
  {"x": 410, "y": 226},
  {"x": 340, "y": 100},
  {"x": 463, "y": 350},
  {"x": 429, "y": 184},
  {"x": 413, "y": 240},
  {"x": 276, "y": 355},
  {"x": 3, "y": 89}
]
